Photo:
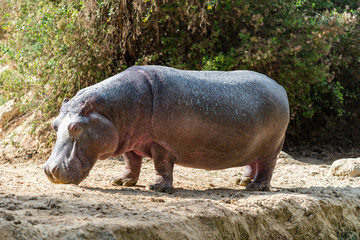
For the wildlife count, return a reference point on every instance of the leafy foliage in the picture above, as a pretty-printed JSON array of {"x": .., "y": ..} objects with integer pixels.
[{"x": 310, "y": 47}]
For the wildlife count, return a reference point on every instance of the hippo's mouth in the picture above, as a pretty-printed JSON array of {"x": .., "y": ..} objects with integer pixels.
[{"x": 84, "y": 163}]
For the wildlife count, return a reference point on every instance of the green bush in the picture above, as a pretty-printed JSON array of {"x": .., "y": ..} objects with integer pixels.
[
  {"x": 310, "y": 47},
  {"x": 12, "y": 85}
]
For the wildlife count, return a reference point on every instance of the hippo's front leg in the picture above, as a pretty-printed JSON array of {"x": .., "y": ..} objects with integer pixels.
[
  {"x": 130, "y": 175},
  {"x": 164, "y": 165}
]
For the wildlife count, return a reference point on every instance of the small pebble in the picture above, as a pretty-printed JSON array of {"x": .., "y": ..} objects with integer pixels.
[
  {"x": 7, "y": 216},
  {"x": 28, "y": 213},
  {"x": 157, "y": 199}
]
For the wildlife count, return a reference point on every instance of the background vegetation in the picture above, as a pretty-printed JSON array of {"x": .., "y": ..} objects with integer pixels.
[{"x": 310, "y": 47}]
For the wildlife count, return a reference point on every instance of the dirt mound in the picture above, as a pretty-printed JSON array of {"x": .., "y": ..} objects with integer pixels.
[
  {"x": 25, "y": 137},
  {"x": 305, "y": 203}
]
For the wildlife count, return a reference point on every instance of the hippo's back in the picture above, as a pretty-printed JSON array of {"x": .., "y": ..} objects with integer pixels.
[{"x": 198, "y": 113}]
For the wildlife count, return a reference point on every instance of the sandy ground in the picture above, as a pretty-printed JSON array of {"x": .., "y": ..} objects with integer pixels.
[{"x": 304, "y": 203}]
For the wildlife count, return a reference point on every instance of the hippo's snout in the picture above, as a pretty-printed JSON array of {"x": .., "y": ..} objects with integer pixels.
[{"x": 58, "y": 175}]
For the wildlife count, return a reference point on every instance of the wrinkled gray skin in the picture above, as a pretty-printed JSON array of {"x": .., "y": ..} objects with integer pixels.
[{"x": 199, "y": 119}]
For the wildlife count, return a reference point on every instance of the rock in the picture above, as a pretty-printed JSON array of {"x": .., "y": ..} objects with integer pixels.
[
  {"x": 8, "y": 111},
  {"x": 346, "y": 167},
  {"x": 7, "y": 216},
  {"x": 283, "y": 154},
  {"x": 285, "y": 158}
]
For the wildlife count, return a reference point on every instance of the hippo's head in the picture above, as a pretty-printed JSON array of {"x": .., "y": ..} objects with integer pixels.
[{"x": 83, "y": 136}]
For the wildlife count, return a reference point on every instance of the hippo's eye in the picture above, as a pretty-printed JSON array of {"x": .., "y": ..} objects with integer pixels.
[{"x": 55, "y": 127}]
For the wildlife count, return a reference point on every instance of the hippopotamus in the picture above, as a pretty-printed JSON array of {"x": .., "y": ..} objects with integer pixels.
[{"x": 200, "y": 119}]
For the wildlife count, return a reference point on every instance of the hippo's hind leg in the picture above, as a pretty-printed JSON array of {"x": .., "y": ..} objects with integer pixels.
[
  {"x": 130, "y": 175},
  {"x": 164, "y": 165},
  {"x": 249, "y": 174},
  {"x": 265, "y": 169},
  {"x": 265, "y": 165}
]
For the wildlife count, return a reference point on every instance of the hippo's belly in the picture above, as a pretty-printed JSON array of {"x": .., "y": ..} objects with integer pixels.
[{"x": 212, "y": 161}]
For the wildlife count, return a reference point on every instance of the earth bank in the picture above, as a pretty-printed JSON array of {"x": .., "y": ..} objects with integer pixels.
[{"x": 306, "y": 202}]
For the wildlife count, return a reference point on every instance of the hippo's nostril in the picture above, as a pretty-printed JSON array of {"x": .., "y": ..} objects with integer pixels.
[
  {"x": 55, "y": 172},
  {"x": 46, "y": 170},
  {"x": 48, "y": 174}
]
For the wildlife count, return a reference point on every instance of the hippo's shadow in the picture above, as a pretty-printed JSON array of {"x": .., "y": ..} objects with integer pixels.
[
  {"x": 225, "y": 194},
  {"x": 140, "y": 190}
]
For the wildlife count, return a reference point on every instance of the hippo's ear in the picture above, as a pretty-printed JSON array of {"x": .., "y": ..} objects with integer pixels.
[
  {"x": 86, "y": 108},
  {"x": 66, "y": 100}
]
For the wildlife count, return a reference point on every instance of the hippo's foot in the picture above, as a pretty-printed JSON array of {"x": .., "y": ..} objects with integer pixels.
[
  {"x": 244, "y": 181},
  {"x": 120, "y": 181},
  {"x": 161, "y": 187},
  {"x": 257, "y": 187}
]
